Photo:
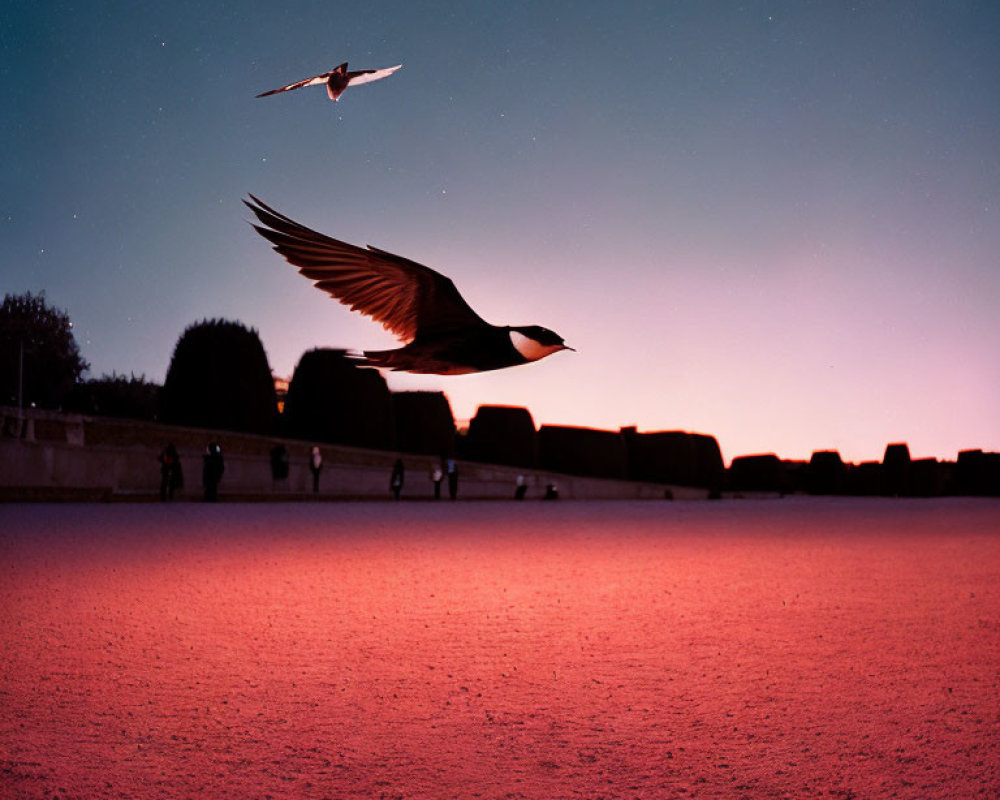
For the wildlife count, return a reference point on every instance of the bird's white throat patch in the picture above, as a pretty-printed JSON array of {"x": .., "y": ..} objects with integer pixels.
[{"x": 531, "y": 349}]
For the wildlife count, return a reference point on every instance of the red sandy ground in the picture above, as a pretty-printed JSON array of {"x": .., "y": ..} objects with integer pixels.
[{"x": 773, "y": 649}]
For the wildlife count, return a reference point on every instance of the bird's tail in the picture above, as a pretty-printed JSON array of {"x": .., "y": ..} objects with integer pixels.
[
  {"x": 400, "y": 360},
  {"x": 383, "y": 359}
]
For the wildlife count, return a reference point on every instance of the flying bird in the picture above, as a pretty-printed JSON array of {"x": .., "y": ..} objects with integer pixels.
[
  {"x": 441, "y": 332},
  {"x": 338, "y": 79}
]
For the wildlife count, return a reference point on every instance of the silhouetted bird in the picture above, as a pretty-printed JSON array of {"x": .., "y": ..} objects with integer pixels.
[
  {"x": 338, "y": 79},
  {"x": 443, "y": 335}
]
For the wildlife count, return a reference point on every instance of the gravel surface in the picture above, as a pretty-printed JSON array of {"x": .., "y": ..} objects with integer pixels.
[{"x": 749, "y": 649}]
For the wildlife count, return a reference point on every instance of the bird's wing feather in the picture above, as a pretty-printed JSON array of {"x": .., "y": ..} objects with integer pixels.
[
  {"x": 402, "y": 295},
  {"x": 368, "y": 75},
  {"x": 314, "y": 81}
]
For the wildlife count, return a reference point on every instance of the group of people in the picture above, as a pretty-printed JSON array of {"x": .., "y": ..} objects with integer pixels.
[
  {"x": 172, "y": 475},
  {"x": 437, "y": 478},
  {"x": 213, "y": 467}
]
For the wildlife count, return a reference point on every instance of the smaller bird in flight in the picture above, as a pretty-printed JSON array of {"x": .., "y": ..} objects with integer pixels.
[
  {"x": 338, "y": 79},
  {"x": 443, "y": 335}
]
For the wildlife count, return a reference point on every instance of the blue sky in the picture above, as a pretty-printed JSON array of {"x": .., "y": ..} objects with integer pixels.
[{"x": 774, "y": 222}]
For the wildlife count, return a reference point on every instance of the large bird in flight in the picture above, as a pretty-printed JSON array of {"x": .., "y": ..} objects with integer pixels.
[
  {"x": 442, "y": 334},
  {"x": 338, "y": 79}
]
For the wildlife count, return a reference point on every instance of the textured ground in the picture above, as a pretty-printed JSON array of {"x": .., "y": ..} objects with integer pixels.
[{"x": 771, "y": 649}]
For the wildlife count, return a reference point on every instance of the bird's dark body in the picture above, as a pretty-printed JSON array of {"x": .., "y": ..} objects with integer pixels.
[
  {"x": 443, "y": 335},
  {"x": 336, "y": 80},
  {"x": 452, "y": 353}
]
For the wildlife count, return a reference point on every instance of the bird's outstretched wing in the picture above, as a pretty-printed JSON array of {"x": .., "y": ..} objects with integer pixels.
[
  {"x": 314, "y": 81},
  {"x": 368, "y": 75},
  {"x": 404, "y": 296}
]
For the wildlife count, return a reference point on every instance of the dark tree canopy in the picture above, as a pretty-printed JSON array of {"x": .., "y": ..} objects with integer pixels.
[
  {"x": 331, "y": 399},
  {"x": 51, "y": 361},
  {"x": 116, "y": 396},
  {"x": 219, "y": 377}
]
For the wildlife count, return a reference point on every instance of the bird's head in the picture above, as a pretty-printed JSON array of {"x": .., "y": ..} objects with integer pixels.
[{"x": 535, "y": 342}]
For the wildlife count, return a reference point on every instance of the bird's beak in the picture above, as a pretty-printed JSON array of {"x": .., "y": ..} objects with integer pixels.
[{"x": 567, "y": 347}]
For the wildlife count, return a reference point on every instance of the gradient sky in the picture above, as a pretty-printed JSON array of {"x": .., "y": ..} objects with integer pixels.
[{"x": 775, "y": 222}]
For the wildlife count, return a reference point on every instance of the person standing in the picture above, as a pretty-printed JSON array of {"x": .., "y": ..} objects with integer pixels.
[
  {"x": 279, "y": 463},
  {"x": 213, "y": 466},
  {"x": 437, "y": 476},
  {"x": 452, "y": 469},
  {"x": 396, "y": 480},
  {"x": 170, "y": 472},
  {"x": 315, "y": 467}
]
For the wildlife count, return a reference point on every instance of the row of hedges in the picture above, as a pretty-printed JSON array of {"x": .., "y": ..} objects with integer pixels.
[
  {"x": 897, "y": 475},
  {"x": 219, "y": 377},
  {"x": 507, "y": 435}
]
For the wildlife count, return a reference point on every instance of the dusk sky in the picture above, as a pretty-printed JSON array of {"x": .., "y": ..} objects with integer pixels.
[{"x": 774, "y": 222}]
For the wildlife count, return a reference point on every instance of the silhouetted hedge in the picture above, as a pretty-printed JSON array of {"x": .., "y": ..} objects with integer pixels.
[
  {"x": 582, "y": 451},
  {"x": 929, "y": 477},
  {"x": 677, "y": 457},
  {"x": 863, "y": 479},
  {"x": 710, "y": 470},
  {"x": 219, "y": 378},
  {"x": 331, "y": 399},
  {"x": 978, "y": 473},
  {"x": 757, "y": 473},
  {"x": 896, "y": 470},
  {"x": 501, "y": 435},
  {"x": 826, "y": 472},
  {"x": 424, "y": 423}
]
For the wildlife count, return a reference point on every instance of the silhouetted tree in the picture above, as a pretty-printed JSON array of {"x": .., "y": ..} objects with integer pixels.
[
  {"x": 219, "y": 378},
  {"x": 582, "y": 451},
  {"x": 116, "y": 396},
  {"x": 331, "y": 399},
  {"x": 502, "y": 435},
  {"x": 424, "y": 423},
  {"x": 38, "y": 352}
]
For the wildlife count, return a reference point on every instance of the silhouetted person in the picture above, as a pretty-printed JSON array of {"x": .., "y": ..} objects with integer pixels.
[
  {"x": 522, "y": 488},
  {"x": 396, "y": 481},
  {"x": 279, "y": 462},
  {"x": 551, "y": 492},
  {"x": 315, "y": 467},
  {"x": 452, "y": 469},
  {"x": 211, "y": 473},
  {"x": 171, "y": 477},
  {"x": 436, "y": 477}
]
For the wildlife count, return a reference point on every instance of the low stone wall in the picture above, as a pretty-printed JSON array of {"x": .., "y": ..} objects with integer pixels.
[{"x": 50, "y": 456}]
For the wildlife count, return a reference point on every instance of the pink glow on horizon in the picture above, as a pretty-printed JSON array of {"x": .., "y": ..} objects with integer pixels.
[{"x": 813, "y": 351}]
